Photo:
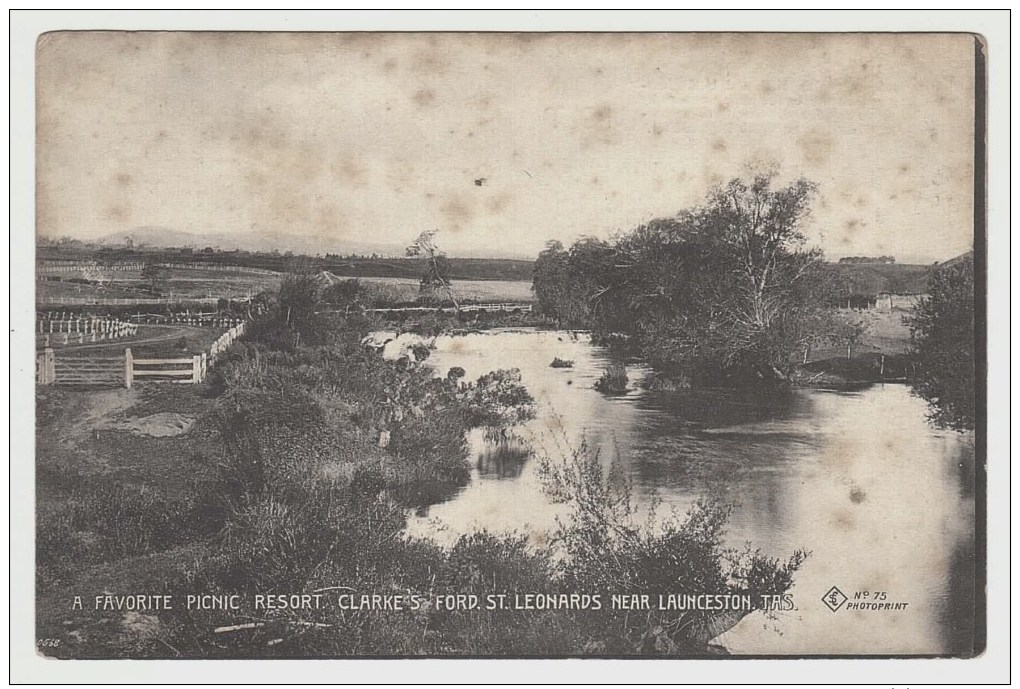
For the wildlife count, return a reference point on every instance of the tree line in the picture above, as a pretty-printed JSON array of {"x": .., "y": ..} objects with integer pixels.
[{"x": 729, "y": 291}]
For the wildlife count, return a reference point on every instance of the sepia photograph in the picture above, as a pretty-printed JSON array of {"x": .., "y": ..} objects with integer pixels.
[{"x": 509, "y": 345}]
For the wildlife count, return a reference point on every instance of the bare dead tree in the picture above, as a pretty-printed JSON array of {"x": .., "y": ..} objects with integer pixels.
[{"x": 435, "y": 276}]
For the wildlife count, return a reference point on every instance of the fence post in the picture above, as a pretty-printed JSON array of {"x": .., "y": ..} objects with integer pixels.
[
  {"x": 129, "y": 368},
  {"x": 196, "y": 369},
  {"x": 205, "y": 365},
  {"x": 50, "y": 366}
]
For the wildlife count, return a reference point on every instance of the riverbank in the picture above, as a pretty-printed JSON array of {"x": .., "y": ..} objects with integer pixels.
[
  {"x": 839, "y": 373},
  {"x": 285, "y": 475}
]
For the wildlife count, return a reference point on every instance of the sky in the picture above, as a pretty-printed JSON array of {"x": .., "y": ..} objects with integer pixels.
[{"x": 501, "y": 141}]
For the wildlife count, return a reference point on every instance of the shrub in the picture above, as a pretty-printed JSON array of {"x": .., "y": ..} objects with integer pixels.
[
  {"x": 613, "y": 379},
  {"x": 562, "y": 363},
  {"x": 943, "y": 337},
  {"x": 607, "y": 549},
  {"x": 498, "y": 399},
  {"x": 103, "y": 522}
]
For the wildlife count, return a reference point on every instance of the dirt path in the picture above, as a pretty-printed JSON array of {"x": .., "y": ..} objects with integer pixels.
[{"x": 101, "y": 407}]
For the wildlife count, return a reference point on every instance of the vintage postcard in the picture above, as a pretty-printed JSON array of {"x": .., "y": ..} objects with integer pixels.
[{"x": 509, "y": 345}]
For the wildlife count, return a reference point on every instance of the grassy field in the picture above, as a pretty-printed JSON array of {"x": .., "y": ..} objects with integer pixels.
[
  {"x": 399, "y": 290},
  {"x": 151, "y": 341},
  {"x": 887, "y": 334},
  {"x": 183, "y": 283},
  {"x": 93, "y": 467},
  {"x": 882, "y": 355},
  {"x": 179, "y": 283}
]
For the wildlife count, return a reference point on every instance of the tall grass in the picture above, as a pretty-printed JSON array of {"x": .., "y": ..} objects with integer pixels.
[{"x": 613, "y": 379}]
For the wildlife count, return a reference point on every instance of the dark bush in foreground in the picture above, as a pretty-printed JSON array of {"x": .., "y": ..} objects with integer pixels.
[{"x": 943, "y": 337}]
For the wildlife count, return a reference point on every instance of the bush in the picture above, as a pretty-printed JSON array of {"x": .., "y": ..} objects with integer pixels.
[
  {"x": 562, "y": 363},
  {"x": 103, "y": 522},
  {"x": 942, "y": 333},
  {"x": 498, "y": 400},
  {"x": 613, "y": 379},
  {"x": 606, "y": 549}
]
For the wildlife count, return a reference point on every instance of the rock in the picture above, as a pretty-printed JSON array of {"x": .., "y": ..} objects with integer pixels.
[{"x": 161, "y": 425}]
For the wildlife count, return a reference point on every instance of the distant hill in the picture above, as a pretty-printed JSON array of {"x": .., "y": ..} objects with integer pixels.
[{"x": 958, "y": 259}]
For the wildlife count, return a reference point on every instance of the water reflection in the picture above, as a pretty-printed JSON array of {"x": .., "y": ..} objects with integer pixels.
[
  {"x": 884, "y": 502},
  {"x": 501, "y": 457}
]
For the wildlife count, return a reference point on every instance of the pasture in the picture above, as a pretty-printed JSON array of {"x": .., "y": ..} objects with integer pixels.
[
  {"x": 178, "y": 283},
  {"x": 403, "y": 290}
]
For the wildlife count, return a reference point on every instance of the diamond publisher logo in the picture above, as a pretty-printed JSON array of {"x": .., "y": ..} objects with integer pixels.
[{"x": 834, "y": 598}]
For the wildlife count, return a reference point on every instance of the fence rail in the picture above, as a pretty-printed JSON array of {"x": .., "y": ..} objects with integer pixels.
[
  {"x": 505, "y": 306},
  {"x": 225, "y": 340},
  {"x": 185, "y": 370},
  {"x": 82, "y": 330},
  {"x": 81, "y": 266},
  {"x": 64, "y": 321},
  {"x": 102, "y": 301},
  {"x": 94, "y": 371},
  {"x": 221, "y": 267}
]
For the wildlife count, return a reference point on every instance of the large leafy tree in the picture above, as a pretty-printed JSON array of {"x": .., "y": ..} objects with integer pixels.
[
  {"x": 721, "y": 287},
  {"x": 942, "y": 333}
]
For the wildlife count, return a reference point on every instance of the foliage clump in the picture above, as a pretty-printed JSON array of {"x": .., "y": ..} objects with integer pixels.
[
  {"x": 943, "y": 338},
  {"x": 608, "y": 547},
  {"x": 722, "y": 290},
  {"x": 613, "y": 379}
]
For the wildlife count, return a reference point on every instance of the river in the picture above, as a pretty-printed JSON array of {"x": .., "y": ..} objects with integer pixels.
[{"x": 884, "y": 502}]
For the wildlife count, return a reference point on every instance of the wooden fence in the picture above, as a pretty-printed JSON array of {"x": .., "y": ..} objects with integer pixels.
[
  {"x": 51, "y": 321},
  {"x": 206, "y": 320},
  {"x": 82, "y": 266},
  {"x": 506, "y": 306},
  {"x": 225, "y": 340},
  {"x": 82, "y": 330},
  {"x": 74, "y": 371},
  {"x": 221, "y": 267},
  {"x": 102, "y": 301},
  {"x": 189, "y": 370},
  {"x": 128, "y": 370}
]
